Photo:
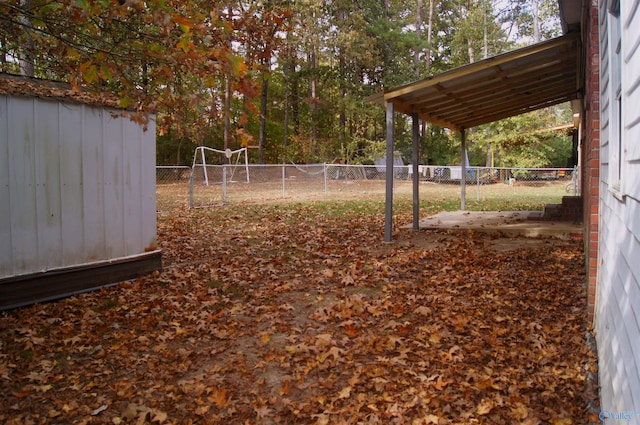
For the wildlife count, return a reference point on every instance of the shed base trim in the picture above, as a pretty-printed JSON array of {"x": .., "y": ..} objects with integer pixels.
[{"x": 18, "y": 291}]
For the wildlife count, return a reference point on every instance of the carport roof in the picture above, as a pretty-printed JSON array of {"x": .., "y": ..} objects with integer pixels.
[{"x": 502, "y": 86}]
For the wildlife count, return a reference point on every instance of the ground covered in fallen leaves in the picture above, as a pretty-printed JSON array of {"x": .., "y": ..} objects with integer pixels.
[{"x": 300, "y": 314}]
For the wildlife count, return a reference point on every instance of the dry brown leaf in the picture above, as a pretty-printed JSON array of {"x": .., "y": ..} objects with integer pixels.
[
  {"x": 158, "y": 416},
  {"x": 561, "y": 421},
  {"x": 218, "y": 397},
  {"x": 485, "y": 407},
  {"x": 345, "y": 392}
]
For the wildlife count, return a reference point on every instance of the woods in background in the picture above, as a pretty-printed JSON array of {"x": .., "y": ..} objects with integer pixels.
[{"x": 289, "y": 79}]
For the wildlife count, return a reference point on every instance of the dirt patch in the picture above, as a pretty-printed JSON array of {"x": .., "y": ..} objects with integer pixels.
[
  {"x": 513, "y": 244},
  {"x": 494, "y": 240}
]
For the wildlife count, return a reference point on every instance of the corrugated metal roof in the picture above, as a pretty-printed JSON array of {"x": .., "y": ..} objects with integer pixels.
[
  {"x": 502, "y": 86},
  {"x": 18, "y": 85},
  {"x": 571, "y": 14}
]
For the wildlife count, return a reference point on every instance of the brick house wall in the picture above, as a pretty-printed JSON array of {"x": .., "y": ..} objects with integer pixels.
[{"x": 591, "y": 151}]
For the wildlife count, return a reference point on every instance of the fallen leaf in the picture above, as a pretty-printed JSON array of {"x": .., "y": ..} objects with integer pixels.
[
  {"x": 351, "y": 330},
  {"x": 132, "y": 410},
  {"x": 561, "y": 421},
  {"x": 321, "y": 419},
  {"x": 520, "y": 411},
  {"x": 262, "y": 411},
  {"x": 158, "y": 416},
  {"x": 423, "y": 310},
  {"x": 431, "y": 419},
  {"x": 345, "y": 392},
  {"x": 286, "y": 387},
  {"x": 324, "y": 340},
  {"x": 218, "y": 397},
  {"x": 485, "y": 407},
  {"x": 99, "y": 410}
]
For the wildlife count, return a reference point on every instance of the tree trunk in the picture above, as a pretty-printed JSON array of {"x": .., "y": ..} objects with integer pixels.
[
  {"x": 536, "y": 22},
  {"x": 227, "y": 113},
  {"x": 263, "y": 118},
  {"x": 342, "y": 132},
  {"x": 424, "y": 125},
  {"x": 342, "y": 113},
  {"x": 429, "y": 35},
  {"x": 27, "y": 67},
  {"x": 416, "y": 52},
  {"x": 485, "y": 44},
  {"x": 3, "y": 54},
  {"x": 227, "y": 98},
  {"x": 295, "y": 97},
  {"x": 313, "y": 96},
  {"x": 286, "y": 72}
]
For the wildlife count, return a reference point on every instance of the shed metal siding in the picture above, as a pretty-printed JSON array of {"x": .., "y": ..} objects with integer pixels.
[
  {"x": 93, "y": 188},
  {"x": 77, "y": 183},
  {"x": 46, "y": 160},
  {"x": 617, "y": 319},
  {"x": 112, "y": 182},
  {"x": 72, "y": 211},
  {"x": 6, "y": 244}
]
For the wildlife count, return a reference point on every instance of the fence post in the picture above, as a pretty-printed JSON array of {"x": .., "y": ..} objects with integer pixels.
[
  {"x": 463, "y": 168},
  {"x": 326, "y": 183},
  {"x": 224, "y": 184},
  {"x": 478, "y": 180},
  {"x": 389, "y": 169},
  {"x": 191, "y": 203},
  {"x": 414, "y": 168},
  {"x": 284, "y": 191}
]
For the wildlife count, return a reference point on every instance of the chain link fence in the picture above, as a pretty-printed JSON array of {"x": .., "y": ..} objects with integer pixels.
[
  {"x": 172, "y": 187},
  {"x": 210, "y": 185}
]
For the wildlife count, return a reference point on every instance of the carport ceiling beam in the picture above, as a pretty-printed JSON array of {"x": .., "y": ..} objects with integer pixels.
[
  {"x": 484, "y": 91},
  {"x": 410, "y": 109},
  {"x": 482, "y": 65},
  {"x": 550, "y": 96},
  {"x": 506, "y": 85}
]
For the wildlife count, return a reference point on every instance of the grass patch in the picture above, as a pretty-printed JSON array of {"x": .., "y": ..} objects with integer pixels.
[
  {"x": 26, "y": 355},
  {"x": 107, "y": 304},
  {"x": 368, "y": 196}
]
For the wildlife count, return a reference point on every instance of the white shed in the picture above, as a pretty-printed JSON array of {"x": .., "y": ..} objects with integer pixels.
[{"x": 77, "y": 190}]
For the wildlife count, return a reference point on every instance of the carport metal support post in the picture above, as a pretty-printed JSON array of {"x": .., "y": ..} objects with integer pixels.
[
  {"x": 388, "y": 210},
  {"x": 416, "y": 177},
  {"x": 463, "y": 168}
]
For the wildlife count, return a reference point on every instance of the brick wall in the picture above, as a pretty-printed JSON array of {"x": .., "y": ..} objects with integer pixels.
[
  {"x": 571, "y": 208},
  {"x": 591, "y": 151}
]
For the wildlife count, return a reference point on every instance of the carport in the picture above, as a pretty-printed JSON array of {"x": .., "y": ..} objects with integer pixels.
[{"x": 520, "y": 81}]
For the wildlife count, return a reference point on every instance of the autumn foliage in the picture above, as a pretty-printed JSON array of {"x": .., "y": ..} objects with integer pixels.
[
  {"x": 299, "y": 314},
  {"x": 171, "y": 57}
]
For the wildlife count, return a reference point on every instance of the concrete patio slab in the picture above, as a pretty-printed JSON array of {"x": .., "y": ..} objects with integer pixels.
[{"x": 509, "y": 223}]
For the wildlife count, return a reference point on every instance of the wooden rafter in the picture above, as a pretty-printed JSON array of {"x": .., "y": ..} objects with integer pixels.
[{"x": 495, "y": 88}]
